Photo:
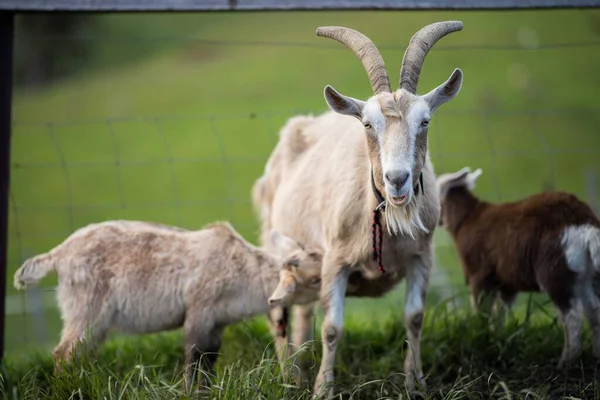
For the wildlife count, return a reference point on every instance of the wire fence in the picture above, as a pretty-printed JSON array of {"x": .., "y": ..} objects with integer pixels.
[
  {"x": 190, "y": 169},
  {"x": 29, "y": 311},
  {"x": 270, "y": 5},
  {"x": 523, "y": 46}
]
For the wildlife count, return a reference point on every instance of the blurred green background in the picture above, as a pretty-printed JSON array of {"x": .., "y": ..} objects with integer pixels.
[{"x": 171, "y": 117}]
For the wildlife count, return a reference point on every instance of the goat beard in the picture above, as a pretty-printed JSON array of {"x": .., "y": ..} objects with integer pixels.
[{"x": 404, "y": 220}]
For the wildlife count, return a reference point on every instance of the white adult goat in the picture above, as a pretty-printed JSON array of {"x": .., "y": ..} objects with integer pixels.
[{"x": 340, "y": 181}]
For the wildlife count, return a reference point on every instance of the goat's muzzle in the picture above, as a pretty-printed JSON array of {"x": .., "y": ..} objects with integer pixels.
[{"x": 398, "y": 201}]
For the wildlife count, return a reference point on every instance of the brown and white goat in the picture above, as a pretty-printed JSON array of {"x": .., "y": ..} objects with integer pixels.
[
  {"x": 360, "y": 157},
  {"x": 547, "y": 242},
  {"x": 142, "y": 277}
]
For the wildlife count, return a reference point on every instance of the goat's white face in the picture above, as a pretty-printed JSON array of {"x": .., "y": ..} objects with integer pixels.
[
  {"x": 396, "y": 126},
  {"x": 399, "y": 138},
  {"x": 395, "y": 122}
]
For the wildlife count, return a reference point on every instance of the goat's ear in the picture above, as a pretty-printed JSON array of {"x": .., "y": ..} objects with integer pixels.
[
  {"x": 446, "y": 91},
  {"x": 284, "y": 244},
  {"x": 343, "y": 104},
  {"x": 472, "y": 178},
  {"x": 459, "y": 175},
  {"x": 447, "y": 181}
]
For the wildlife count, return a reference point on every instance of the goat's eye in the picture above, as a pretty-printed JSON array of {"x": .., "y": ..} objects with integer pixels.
[
  {"x": 425, "y": 122},
  {"x": 314, "y": 281},
  {"x": 367, "y": 125}
]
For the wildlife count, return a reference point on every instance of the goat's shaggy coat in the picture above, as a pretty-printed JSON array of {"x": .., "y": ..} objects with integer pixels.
[
  {"x": 142, "y": 277},
  {"x": 546, "y": 242},
  {"x": 318, "y": 185}
]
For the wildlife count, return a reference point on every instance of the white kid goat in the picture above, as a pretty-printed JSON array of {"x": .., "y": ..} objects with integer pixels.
[{"x": 142, "y": 277}]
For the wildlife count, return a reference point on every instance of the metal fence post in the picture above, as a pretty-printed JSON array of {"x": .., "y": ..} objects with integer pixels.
[{"x": 7, "y": 19}]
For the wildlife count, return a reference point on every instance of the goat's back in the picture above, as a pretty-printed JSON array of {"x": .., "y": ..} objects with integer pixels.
[
  {"x": 145, "y": 249},
  {"x": 144, "y": 274},
  {"x": 522, "y": 241},
  {"x": 324, "y": 183},
  {"x": 292, "y": 143}
]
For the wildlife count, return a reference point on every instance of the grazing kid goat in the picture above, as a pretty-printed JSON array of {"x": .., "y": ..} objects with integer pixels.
[
  {"x": 142, "y": 277},
  {"x": 547, "y": 242},
  {"x": 362, "y": 189}
]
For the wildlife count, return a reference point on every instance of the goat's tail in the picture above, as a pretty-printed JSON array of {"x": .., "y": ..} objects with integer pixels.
[
  {"x": 33, "y": 270},
  {"x": 259, "y": 198},
  {"x": 594, "y": 248}
]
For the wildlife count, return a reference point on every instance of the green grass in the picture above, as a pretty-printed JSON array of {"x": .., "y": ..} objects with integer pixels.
[{"x": 462, "y": 358}]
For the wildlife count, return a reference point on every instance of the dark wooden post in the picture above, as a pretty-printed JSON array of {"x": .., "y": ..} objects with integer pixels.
[{"x": 7, "y": 19}]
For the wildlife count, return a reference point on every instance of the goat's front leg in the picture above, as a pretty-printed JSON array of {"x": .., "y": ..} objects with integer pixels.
[
  {"x": 333, "y": 291},
  {"x": 417, "y": 283},
  {"x": 202, "y": 345},
  {"x": 483, "y": 295},
  {"x": 503, "y": 302},
  {"x": 278, "y": 326}
]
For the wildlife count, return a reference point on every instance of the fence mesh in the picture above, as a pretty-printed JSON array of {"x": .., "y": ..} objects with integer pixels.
[{"x": 188, "y": 168}]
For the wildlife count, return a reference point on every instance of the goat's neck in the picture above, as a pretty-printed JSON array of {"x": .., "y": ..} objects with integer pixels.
[
  {"x": 267, "y": 275},
  {"x": 458, "y": 206},
  {"x": 375, "y": 180},
  {"x": 261, "y": 278}
]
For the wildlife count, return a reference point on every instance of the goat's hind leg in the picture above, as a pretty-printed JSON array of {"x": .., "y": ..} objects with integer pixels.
[
  {"x": 564, "y": 289},
  {"x": 571, "y": 318},
  {"x": 69, "y": 338},
  {"x": 80, "y": 327},
  {"x": 591, "y": 307}
]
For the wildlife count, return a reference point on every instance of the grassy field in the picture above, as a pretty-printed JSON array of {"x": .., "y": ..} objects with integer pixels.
[
  {"x": 462, "y": 359},
  {"x": 179, "y": 113}
]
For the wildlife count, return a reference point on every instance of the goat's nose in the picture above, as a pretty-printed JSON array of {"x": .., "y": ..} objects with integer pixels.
[{"x": 397, "y": 178}]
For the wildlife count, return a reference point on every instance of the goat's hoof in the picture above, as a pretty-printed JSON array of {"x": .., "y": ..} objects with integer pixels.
[
  {"x": 203, "y": 386},
  {"x": 409, "y": 383},
  {"x": 322, "y": 391},
  {"x": 324, "y": 395},
  {"x": 58, "y": 368},
  {"x": 302, "y": 382}
]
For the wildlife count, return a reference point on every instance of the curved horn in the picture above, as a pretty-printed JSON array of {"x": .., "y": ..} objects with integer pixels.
[
  {"x": 417, "y": 49},
  {"x": 366, "y": 52}
]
